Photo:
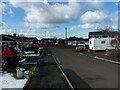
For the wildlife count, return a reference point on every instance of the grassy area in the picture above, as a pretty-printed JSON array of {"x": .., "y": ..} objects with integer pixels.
[
  {"x": 29, "y": 79},
  {"x": 29, "y": 73},
  {"x": 15, "y": 76},
  {"x": 113, "y": 53}
]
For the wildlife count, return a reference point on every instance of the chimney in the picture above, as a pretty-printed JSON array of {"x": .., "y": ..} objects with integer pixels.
[{"x": 14, "y": 34}]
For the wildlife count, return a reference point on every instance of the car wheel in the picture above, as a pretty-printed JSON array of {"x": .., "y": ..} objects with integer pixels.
[{"x": 5, "y": 63}]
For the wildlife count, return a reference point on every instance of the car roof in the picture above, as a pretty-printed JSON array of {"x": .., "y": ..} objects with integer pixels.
[{"x": 5, "y": 46}]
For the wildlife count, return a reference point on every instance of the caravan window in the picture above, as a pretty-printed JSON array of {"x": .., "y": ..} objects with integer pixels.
[
  {"x": 102, "y": 42},
  {"x": 90, "y": 42}
]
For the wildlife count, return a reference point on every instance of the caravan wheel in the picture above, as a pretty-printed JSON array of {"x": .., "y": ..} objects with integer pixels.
[
  {"x": 106, "y": 50},
  {"x": 88, "y": 50}
]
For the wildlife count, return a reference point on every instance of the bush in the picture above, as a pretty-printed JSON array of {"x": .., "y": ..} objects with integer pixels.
[{"x": 113, "y": 53}]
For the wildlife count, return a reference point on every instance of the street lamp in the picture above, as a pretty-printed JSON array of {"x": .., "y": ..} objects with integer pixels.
[{"x": 66, "y": 33}]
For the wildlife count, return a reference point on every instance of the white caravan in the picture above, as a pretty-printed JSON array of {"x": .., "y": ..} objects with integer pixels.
[{"x": 100, "y": 44}]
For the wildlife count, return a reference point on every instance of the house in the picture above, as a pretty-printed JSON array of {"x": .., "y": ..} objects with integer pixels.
[
  {"x": 102, "y": 40},
  {"x": 6, "y": 40},
  {"x": 14, "y": 40},
  {"x": 48, "y": 41},
  {"x": 32, "y": 40},
  {"x": 104, "y": 34},
  {"x": 73, "y": 41}
]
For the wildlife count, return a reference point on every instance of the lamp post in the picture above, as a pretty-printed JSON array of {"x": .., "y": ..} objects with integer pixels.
[
  {"x": 66, "y": 33},
  {"x": 45, "y": 40}
]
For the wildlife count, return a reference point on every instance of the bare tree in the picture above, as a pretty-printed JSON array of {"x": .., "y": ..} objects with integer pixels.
[{"x": 105, "y": 29}]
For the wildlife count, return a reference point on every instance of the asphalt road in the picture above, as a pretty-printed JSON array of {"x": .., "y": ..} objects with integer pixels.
[{"x": 85, "y": 71}]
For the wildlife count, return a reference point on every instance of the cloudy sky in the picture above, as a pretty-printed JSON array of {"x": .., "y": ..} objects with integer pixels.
[{"x": 42, "y": 18}]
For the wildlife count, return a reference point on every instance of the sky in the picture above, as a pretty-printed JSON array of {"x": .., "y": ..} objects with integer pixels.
[{"x": 48, "y": 19}]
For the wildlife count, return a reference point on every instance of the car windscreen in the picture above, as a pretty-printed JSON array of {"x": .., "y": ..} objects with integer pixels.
[
  {"x": 80, "y": 46},
  {"x": 13, "y": 49}
]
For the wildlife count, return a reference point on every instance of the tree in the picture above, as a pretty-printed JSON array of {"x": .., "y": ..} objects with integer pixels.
[
  {"x": 105, "y": 29},
  {"x": 116, "y": 43}
]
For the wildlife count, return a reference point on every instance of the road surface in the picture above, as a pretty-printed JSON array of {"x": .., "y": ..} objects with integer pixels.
[{"x": 85, "y": 71}]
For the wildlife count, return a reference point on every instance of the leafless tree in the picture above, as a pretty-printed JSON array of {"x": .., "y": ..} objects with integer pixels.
[{"x": 105, "y": 29}]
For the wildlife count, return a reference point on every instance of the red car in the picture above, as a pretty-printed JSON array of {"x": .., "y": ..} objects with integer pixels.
[
  {"x": 31, "y": 48},
  {"x": 80, "y": 47},
  {"x": 9, "y": 55}
]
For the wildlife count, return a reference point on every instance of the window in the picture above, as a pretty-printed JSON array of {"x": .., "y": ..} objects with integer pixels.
[
  {"x": 1, "y": 49},
  {"x": 102, "y": 42},
  {"x": 112, "y": 36},
  {"x": 90, "y": 42},
  {"x": 80, "y": 46},
  {"x": 13, "y": 49}
]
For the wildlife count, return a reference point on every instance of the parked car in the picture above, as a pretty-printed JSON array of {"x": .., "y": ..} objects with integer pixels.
[
  {"x": 80, "y": 47},
  {"x": 9, "y": 55},
  {"x": 31, "y": 48}
]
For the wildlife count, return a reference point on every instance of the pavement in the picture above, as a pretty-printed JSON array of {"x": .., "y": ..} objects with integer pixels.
[
  {"x": 47, "y": 75},
  {"x": 101, "y": 56}
]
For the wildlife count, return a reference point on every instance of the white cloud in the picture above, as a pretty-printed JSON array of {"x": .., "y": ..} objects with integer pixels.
[
  {"x": 93, "y": 4},
  {"x": 10, "y": 11},
  {"x": 117, "y": 3},
  {"x": 84, "y": 26},
  {"x": 5, "y": 9},
  {"x": 32, "y": 30},
  {"x": 81, "y": 35},
  {"x": 43, "y": 13},
  {"x": 94, "y": 17},
  {"x": 6, "y": 31},
  {"x": 114, "y": 27},
  {"x": 2, "y": 5},
  {"x": 107, "y": 27},
  {"x": 48, "y": 35},
  {"x": 3, "y": 24},
  {"x": 38, "y": 25},
  {"x": 52, "y": 14},
  {"x": 29, "y": 34},
  {"x": 118, "y": 16},
  {"x": 93, "y": 26},
  {"x": 52, "y": 35}
]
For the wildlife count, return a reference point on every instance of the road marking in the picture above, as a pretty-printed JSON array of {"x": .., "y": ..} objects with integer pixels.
[
  {"x": 103, "y": 59},
  {"x": 57, "y": 62}
]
